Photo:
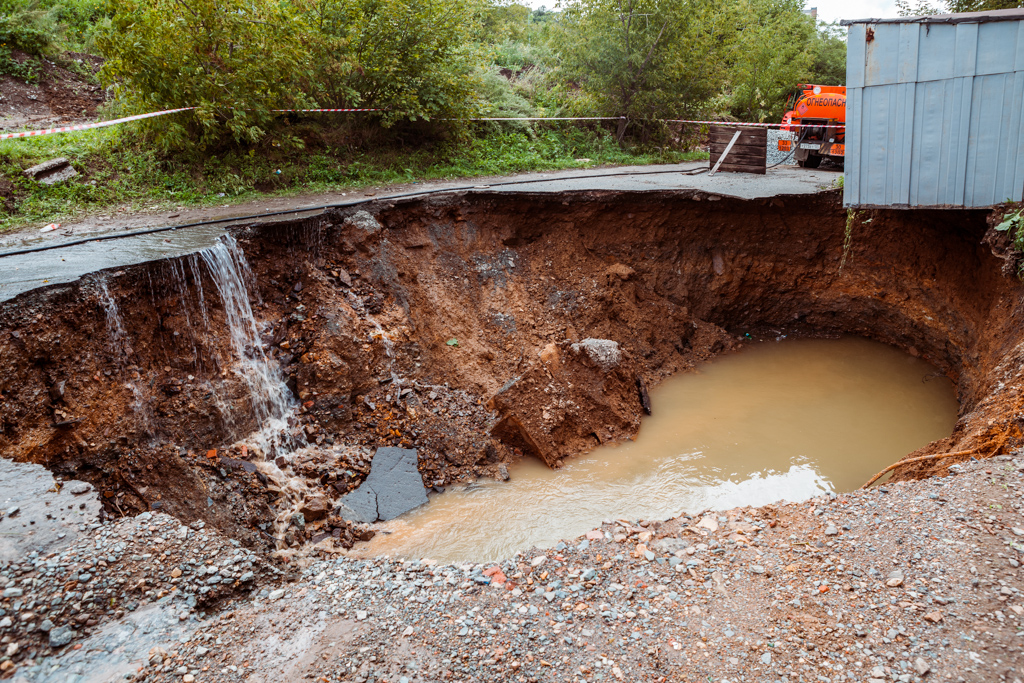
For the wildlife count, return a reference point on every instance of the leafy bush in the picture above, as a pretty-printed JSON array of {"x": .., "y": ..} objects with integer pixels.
[
  {"x": 26, "y": 30},
  {"x": 78, "y": 21},
  {"x": 413, "y": 58},
  {"x": 239, "y": 60},
  {"x": 518, "y": 55},
  {"x": 234, "y": 60},
  {"x": 23, "y": 70},
  {"x": 1013, "y": 224},
  {"x": 499, "y": 97}
]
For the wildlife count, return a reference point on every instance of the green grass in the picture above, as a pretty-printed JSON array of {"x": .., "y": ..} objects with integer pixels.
[{"x": 118, "y": 172}]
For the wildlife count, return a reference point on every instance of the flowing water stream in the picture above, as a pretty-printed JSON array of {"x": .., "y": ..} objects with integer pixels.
[
  {"x": 776, "y": 421},
  {"x": 268, "y": 397}
]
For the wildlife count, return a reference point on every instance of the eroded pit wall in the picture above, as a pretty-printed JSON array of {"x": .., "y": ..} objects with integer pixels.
[{"x": 456, "y": 324}]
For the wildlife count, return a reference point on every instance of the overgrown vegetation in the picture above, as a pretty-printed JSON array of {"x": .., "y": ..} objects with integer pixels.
[
  {"x": 1013, "y": 225},
  {"x": 430, "y": 68},
  {"x": 122, "y": 173}
]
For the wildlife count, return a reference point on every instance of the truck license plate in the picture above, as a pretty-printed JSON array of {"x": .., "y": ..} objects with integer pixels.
[{"x": 809, "y": 145}]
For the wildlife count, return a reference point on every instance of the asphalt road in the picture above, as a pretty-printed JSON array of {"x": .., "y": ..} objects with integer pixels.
[{"x": 21, "y": 273}]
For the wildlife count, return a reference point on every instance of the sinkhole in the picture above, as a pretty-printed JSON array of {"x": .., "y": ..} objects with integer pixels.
[{"x": 785, "y": 346}]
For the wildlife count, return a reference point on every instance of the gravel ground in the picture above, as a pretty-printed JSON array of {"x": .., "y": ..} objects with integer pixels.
[
  {"x": 774, "y": 155},
  {"x": 906, "y": 582}
]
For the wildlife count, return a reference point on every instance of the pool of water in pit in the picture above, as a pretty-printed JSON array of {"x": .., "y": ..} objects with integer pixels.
[{"x": 775, "y": 421}]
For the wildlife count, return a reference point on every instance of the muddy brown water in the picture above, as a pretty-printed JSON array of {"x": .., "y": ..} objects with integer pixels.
[{"x": 775, "y": 421}]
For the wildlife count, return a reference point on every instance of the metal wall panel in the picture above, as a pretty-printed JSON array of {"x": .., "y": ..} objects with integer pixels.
[{"x": 934, "y": 114}]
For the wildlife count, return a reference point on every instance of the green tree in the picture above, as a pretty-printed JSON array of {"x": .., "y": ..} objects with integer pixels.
[
  {"x": 234, "y": 60},
  {"x": 772, "y": 52},
  {"x": 501, "y": 21},
  {"x": 829, "y": 65},
  {"x": 237, "y": 61},
  {"x": 645, "y": 59},
  {"x": 413, "y": 58}
]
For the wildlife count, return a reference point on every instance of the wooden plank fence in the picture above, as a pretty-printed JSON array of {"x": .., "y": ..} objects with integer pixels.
[{"x": 748, "y": 155}]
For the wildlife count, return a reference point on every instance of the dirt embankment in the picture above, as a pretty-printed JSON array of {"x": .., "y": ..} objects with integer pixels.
[
  {"x": 475, "y": 328},
  {"x": 63, "y": 91}
]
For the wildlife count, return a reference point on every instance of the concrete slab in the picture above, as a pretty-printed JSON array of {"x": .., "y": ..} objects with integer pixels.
[{"x": 393, "y": 487}]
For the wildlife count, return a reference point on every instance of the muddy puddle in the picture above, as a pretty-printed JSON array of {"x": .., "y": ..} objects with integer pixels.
[{"x": 776, "y": 421}]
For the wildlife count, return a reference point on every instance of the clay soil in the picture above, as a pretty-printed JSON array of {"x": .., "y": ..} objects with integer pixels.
[
  {"x": 59, "y": 96},
  {"x": 452, "y": 325}
]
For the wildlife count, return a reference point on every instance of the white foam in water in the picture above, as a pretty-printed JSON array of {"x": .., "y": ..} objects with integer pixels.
[{"x": 800, "y": 483}]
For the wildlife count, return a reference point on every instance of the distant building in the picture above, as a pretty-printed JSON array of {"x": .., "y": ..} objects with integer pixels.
[
  {"x": 812, "y": 12},
  {"x": 934, "y": 110}
]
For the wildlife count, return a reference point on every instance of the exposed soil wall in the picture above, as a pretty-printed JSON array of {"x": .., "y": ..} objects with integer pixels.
[{"x": 453, "y": 324}]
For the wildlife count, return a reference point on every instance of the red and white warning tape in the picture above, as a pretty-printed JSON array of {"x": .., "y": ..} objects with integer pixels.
[
  {"x": 87, "y": 126},
  {"x": 327, "y": 110},
  {"x": 555, "y": 118},
  {"x": 755, "y": 125},
  {"x": 139, "y": 117}
]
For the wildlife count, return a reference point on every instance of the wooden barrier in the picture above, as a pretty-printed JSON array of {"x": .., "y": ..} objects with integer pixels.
[{"x": 748, "y": 155}]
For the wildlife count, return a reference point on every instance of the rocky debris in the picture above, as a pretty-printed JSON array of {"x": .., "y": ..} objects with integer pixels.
[
  {"x": 393, "y": 487},
  {"x": 51, "y": 600},
  {"x": 569, "y": 403},
  {"x": 365, "y": 221},
  {"x": 39, "y": 514},
  {"x": 364, "y": 227},
  {"x": 603, "y": 353},
  {"x": 51, "y": 172},
  {"x": 315, "y": 507},
  {"x": 693, "y": 604}
]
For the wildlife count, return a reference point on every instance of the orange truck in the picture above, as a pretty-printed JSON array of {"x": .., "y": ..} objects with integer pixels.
[{"x": 817, "y": 122}]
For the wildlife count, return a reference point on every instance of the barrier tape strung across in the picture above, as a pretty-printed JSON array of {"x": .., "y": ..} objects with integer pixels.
[
  {"x": 87, "y": 126},
  {"x": 327, "y": 110},
  {"x": 139, "y": 117},
  {"x": 555, "y": 118},
  {"x": 755, "y": 125}
]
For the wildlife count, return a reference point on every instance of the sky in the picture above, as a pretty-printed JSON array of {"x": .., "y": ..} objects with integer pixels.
[{"x": 828, "y": 10}]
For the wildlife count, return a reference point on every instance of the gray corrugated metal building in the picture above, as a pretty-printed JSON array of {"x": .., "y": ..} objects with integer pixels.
[{"x": 934, "y": 110}]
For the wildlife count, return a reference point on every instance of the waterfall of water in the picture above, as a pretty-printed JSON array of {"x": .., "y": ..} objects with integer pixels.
[
  {"x": 122, "y": 349},
  {"x": 270, "y": 399}
]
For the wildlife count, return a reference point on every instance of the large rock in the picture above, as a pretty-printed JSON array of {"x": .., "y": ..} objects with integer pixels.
[
  {"x": 602, "y": 353},
  {"x": 556, "y": 409},
  {"x": 394, "y": 487},
  {"x": 61, "y": 636},
  {"x": 364, "y": 220},
  {"x": 51, "y": 172},
  {"x": 314, "y": 508}
]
